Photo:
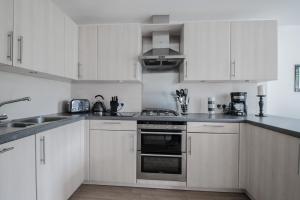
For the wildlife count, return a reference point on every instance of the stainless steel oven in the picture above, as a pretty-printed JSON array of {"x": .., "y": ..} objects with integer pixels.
[{"x": 161, "y": 151}]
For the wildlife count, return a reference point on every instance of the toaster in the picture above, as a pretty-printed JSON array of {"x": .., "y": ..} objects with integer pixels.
[{"x": 79, "y": 106}]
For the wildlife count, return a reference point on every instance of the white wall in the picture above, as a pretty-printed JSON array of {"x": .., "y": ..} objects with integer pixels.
[
  {"x": 47, "y": 95},
  {"x": 129, "y": 93},
  {"x": 282, "y": 100}
]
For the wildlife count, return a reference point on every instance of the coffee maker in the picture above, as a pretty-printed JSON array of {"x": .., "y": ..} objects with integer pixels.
[{"x": 238, "y": 104}]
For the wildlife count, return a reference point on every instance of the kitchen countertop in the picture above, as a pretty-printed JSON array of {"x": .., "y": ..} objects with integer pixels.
[
  {"x": 193, "y": 117},
  {"x": 11, "y": 134},
  {"x": 283, "y": 125}
]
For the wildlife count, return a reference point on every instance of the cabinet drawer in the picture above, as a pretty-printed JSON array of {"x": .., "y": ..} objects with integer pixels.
[
  {"x": 115, "y": 125},
  {"x": 207, "y": 127}
]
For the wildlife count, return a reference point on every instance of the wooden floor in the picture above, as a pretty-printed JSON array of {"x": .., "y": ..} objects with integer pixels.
[{"x": 93, "y": 192}]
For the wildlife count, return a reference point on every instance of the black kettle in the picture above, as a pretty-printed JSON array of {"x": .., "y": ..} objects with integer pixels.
[{"x": 99, "y": 106}]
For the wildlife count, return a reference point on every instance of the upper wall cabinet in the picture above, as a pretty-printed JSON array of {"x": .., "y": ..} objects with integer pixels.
[
  {"x": 36, "y": 36},
  {"x": 119, "y": 46},
  {"x": 56, "y": 41},
  {"x": 71, "y": 49},
  {"x": 31, "y": 34},
  {"x": 6, "y": 31},
  {"x": 254, "y": 50},
  {"x": 41, "y": 36},
  {"x": 88, "y": 48},
  {"x": 24, "y": 14},
  {"x": 207, "y": 47}
]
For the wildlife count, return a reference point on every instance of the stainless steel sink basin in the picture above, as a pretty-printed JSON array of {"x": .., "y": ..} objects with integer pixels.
[
  {"x": 40, "y": 120},
  {"x": 15, "y": 125}
]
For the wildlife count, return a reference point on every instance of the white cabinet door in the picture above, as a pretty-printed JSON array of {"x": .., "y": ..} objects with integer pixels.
[
  {"x": 254, "y": 50},
  {"x": 212, "y": 160},
  {"x": 56, "y": 53},
  {"x": 40, "y": 42},
  {"x": 113, "y": 157},
  {"x": 118, "y": 49},
  {"x": 17, "y": 170},
  {"x": 271, "y": 168},
  {"x": 88, "y": 52},
  {"x": 50, "y": 159},
  {"x": 74, "y": 159},
  {"x": 207, "y": 47},
  {"x": 23, "y": 33},
  {"x": 31, "y": 34},
  {"x": 60, "y": 161},
  {"x": 6, "y": 31},
  {"x": 71, "y": 49}
]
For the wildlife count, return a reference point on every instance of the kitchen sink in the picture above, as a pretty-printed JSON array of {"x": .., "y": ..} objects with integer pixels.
[
  {"x": 16, "y": 125},
  {"x": 40, "y": 120}
]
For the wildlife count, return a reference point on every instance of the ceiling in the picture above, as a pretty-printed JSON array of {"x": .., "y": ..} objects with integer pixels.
[{"x": 119, "y": 11}]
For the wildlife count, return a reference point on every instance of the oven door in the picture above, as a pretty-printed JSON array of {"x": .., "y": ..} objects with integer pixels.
[
  {"x": 161, "y": 167},
  {"x": 161, "y": 141}
]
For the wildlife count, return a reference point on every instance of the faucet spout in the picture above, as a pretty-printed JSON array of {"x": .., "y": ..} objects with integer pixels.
[{"x": 14, "y": 101}]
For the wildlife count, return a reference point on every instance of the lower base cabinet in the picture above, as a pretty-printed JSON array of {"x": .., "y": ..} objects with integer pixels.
[
  {"x": 212, "y": 161},
  {"x": 17, "y": 170},
  {"x": 269, "y": 164},
  {"x": 113, "y": 157},
  {"x": 60, "y": 161}
]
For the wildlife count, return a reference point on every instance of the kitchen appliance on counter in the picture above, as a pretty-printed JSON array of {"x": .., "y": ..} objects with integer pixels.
[
  {"x": 99, "y": 106},
  {"x": 78, "y": 106},
  {"x": 238, "y": 104},
  {"x": 159, "y": 112},
  {"x": 161, "y": 152}
]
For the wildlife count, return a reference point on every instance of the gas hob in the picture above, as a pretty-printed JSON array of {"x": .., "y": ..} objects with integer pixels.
[{"x": 159, "y": 112}]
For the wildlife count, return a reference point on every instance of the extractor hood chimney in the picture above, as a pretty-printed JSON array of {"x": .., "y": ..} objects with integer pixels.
[{"x": 161, "y": 57}]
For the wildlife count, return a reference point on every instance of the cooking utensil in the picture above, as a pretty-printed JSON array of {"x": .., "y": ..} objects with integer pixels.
[
  {"x": 186, "y": 92},
  {"x": 178, "y": 93},
  {"x": 181, "y": 92}
]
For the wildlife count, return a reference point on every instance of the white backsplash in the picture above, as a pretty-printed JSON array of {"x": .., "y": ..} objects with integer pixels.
[
  {"x": 132, "y": 93},
  {"x": 129, "y": 93},
  {"x": 159, "y": 91},
  {"x": 47, "y": 96}
]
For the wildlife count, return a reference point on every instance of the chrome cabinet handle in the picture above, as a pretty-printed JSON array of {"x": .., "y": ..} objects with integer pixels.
[
  {"x": 42, "y": 150},
  {"x": 186, "y": 69},
  {"x": 20, "y": 46},
  {"x": 6, "y": 150},
  {"x": 233, "y": 68},
  {"x": 213, "y": 126},
  {"x": 79, "y": 70},
  {"x": 190, "y": 145},
  {"x": 132, "y": 143},
  {"x": 163, "y": 133},
  {"x": 112, "y": 122},
  {"x": 135, "y": 70},
  {"x": 299, "y": 160},
  {"x": 10, "y": 46},
  {"x": 160, "y": 155}
]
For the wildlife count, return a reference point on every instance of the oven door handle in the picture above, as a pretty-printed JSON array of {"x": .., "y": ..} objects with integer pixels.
[
  {"x": 162, "y": 133},
  {"x": 159, "y": 155}
]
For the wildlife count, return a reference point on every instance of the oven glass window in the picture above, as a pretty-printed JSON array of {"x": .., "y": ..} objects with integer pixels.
[
  {"x": 165, "y": 165},
  {"x": 161, "y": 144}
]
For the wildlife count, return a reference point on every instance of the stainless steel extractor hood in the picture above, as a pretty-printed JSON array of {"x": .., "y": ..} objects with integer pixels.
[{"x": 161, "y": 57}]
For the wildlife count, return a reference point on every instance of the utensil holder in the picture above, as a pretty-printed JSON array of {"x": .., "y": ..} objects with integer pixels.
[
  {"x": 114, "y": 107},
  {"x": 184, "y": 109}
]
